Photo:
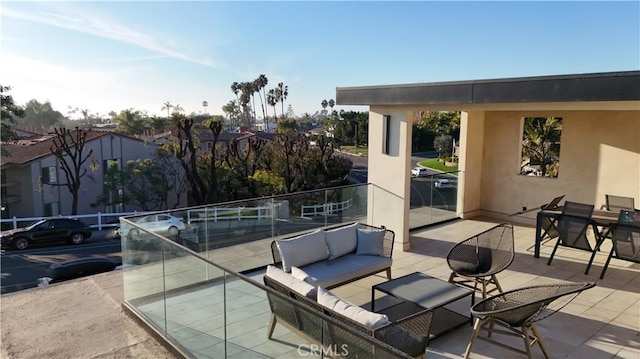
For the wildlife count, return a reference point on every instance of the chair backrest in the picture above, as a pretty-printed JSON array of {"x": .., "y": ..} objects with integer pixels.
[
  {"x": 573, "y": 224},
  {"x": 617, "y": 203},
  {"x": 485, "y": 253},
  {"x": 625, "y": 235},
  {"x": 577, "y": 209},
  {"x": 553, "y": 204},
  {"x": 523, "y": 306}
]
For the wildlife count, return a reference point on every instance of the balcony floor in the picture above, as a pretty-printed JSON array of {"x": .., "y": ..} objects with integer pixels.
[{"x": 602, "y": 322}]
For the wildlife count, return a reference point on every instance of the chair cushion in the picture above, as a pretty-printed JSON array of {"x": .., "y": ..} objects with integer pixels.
[
  {"x": 341, "y": 241},
  {"x": 368, "y": 319},
  {"x": 370, "y": 242},
  {"x": 303, "y": 249},
  {"x": 299, "y": 286},
  {"x": 344, "y": 269}
]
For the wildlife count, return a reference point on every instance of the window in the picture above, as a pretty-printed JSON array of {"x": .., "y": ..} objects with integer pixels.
[
  {"x": 386, "y": 129},
  {"x": 52, "y": 209},
  {"x": 49, "y": 175},
  {"x": 540, "y": 154}
]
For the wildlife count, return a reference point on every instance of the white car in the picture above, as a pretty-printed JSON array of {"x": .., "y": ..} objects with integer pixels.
[
  {"x": 158, "y": 223},
  {"x": 443, "y": 183},
  {"x": 418, "y": 171}
]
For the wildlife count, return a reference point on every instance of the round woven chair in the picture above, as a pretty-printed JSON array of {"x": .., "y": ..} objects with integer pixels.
[
  {"x": 517, "y": 311},
  {"x": 475, "y": 261}
]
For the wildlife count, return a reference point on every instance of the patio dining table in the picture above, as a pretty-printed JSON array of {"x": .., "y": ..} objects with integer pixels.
[{"x": 601, "y": 219}]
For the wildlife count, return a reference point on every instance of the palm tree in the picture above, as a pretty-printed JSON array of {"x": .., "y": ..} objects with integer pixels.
[
  {"x": 204, "y": 105},
  {"x": 331, "y": 103},
  {"x": 283, "y": 92},
  {"x": 167, "y": 106},
  {"x": 541, "y": 141},
  {"x": 272, "y": 100},
  {"x": 260, "y": 84},
  {"x": 177, "y": 108},
  {"x": 324, "y": 105}
]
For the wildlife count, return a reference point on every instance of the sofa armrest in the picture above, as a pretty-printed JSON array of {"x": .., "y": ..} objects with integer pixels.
[
  {"x": 409, "y": 334},
  {"x": 389, "y": 237},
  {"x": 275, "y": 254}
]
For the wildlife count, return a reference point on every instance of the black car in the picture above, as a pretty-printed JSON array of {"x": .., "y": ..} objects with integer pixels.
[{"x": 44, "y": 231}]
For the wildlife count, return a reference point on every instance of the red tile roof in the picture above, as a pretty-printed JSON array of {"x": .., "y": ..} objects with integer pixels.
[{"x": 27, "y": 150}]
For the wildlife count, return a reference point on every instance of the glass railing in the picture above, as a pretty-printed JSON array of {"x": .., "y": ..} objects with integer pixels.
[
  {"x": 195, "y": 274},
  {"x": 195, "y": 298},
  {"x": 433, "y": 199}
]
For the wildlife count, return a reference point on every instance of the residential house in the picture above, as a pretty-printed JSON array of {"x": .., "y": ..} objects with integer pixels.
[
  {"x": 32, "y": 179},
  {"x": 599, "y": 147}
]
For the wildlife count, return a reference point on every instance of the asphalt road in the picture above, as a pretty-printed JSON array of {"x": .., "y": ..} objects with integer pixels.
[{"x": 21, "y": 269}]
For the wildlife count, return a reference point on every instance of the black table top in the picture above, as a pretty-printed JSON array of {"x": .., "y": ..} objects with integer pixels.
[{"x": 423, "y": 290}]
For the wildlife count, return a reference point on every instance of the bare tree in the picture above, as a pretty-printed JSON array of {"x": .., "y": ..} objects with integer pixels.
[{"x": 69, "y": 150}]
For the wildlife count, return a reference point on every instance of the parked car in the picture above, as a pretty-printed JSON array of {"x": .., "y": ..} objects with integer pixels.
[
  {"x": 157, "y": 223},
  {"x": 76, "y": 268},
  {"x": 419, "y": 171},
  {"x": 45, "y": 231},
  {"x": 443, "y": 183}
]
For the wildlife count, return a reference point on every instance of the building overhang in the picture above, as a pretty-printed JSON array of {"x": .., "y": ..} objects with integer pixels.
[{"x": 611, "y": 90}]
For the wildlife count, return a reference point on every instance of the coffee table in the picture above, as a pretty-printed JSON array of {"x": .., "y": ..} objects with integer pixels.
[{"x": 429, "y": 293}]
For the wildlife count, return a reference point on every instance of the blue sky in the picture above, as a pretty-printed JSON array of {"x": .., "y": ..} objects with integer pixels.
[{"x": 109, "y": 56}]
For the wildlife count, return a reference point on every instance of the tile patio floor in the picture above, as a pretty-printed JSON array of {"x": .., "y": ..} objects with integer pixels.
[{"x": 603, "y": 322}]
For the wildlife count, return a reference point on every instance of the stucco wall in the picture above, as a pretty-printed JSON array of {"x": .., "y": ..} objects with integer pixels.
[
  {"x": 388, "y": 199},
  {"x": 599, "y": 154}
]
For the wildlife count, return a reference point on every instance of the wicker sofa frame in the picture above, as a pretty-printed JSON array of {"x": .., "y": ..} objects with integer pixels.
[
  {"x": 389, "y": 237},
  {"x": 404, "y": 337}
]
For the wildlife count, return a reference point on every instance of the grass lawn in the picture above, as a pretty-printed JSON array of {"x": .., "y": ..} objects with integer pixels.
[
  {"x": 437, "y": 165},
  {"x": 362, "y": 150}
]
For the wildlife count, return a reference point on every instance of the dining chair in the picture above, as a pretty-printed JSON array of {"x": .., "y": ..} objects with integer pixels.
[
  {"x": 572, "y": 226},
  {"x": 618, "y": 203},
  {"x": 625, "y": 238}
]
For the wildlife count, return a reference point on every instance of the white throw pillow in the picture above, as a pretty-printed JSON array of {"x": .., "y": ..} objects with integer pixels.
[
  {"x": 299, "y": 273},
  {"x": 370, "y": 242},
  {"x": 369, "y": 319},
  {"x": 303, "y": 249},
  {"x": 341, "y": 241},
  {"x": 299, "y": 286}
]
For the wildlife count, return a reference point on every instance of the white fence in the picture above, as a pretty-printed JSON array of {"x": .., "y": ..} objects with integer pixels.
[
  {"x": 101, "y": 221},
  {"x": 326, "y": 208}
]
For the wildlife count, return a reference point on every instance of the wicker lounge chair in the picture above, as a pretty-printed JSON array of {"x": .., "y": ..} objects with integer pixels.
[
  {"x": 516, "y": 311},
  {"x": 572, "y": 226},
  {"x": 625, "y": 237},
  {"x": 475, "y": 261}
]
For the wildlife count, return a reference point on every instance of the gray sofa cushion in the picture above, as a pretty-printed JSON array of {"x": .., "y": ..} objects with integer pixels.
[
  {"x": 369, "y": 319},
  {"x": 370, "y": 242},
  {"x": 303, "y": 249},
  {"x": 295, "y": 284},
  {"x": 342, "y": 240},
  {"x": 343, "y": 269}
]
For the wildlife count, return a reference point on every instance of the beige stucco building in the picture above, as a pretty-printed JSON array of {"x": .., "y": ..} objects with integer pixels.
[{"x": 599, "y": 150}]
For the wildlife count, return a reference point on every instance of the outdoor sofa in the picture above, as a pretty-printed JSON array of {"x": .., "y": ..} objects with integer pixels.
[
  {"x": 335, "y": 256},
  {"x": 306, "y": 308}
]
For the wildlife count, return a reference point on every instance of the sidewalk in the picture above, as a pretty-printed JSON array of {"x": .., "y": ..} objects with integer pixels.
[{"x": 77, "y": 319}]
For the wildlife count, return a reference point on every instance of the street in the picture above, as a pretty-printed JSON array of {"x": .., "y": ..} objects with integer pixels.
[{"x": 21, "y": 269}]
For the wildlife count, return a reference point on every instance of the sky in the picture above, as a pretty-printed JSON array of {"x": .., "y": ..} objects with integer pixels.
[{"x": 107, "y": 56}]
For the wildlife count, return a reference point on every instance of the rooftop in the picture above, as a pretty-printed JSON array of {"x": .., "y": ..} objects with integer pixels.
[{"x": 603, "y": 322}]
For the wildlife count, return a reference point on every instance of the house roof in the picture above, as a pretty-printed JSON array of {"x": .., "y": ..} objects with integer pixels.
[
  {"x": 27, "y": 150},
  {"x": 609, "y": 86}
]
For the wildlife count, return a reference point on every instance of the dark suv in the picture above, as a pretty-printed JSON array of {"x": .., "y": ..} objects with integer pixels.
[{"x": 46, "y": 231}]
